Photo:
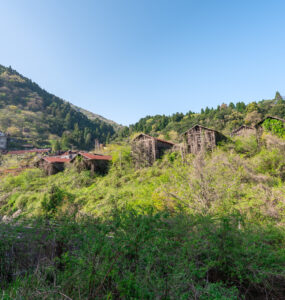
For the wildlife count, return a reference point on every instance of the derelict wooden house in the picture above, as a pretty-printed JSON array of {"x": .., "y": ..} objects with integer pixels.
[
  {"x": 200, "y": 138},
  {"x": 96, "y": 163},
  {"x": 259, "y": 127},
  {"x": 244, "y": 131},
  {"x": 52, "y": 164},
  {"x": 146, "y": 149}
]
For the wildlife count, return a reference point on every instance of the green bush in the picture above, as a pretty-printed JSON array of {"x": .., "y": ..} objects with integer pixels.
[
  {"x": 159, "y": 255},
  {"x": 275, "y": 126}
]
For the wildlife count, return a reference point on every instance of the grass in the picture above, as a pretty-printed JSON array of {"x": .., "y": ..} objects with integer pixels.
[{"x": 207, "y": 227}]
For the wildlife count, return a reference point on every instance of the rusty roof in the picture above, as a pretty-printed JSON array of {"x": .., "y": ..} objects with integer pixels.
[
  {"x": 28, "y": 151},
  {"x": 152, "y": 137},
  {"x": 56, "y": 159},
  {"x": 91, "y": 156}
]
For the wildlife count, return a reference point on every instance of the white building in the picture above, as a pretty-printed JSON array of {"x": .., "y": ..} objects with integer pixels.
[{"x": 3, "y": 141}]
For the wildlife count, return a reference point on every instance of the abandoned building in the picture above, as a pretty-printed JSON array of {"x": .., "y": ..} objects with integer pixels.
[
  {"x": 146, "y": 149},
  {"x": 259, "y": 127},
  {"x": 244, "y": 131},
  {"x": 3, "y": 140},
  {"x": 52, "y": 164},
  {"x": 200, "y": 138},
  {"x": 96, "y": 163}
]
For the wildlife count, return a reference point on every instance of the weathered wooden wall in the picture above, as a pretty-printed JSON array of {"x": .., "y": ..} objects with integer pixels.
[
  {"x": 146, "y": 149},
  {"x": 200, "y": 138}
]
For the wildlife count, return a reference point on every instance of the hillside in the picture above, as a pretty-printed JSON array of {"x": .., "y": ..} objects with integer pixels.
[
  {"x": 90, "y": 115},
  {"x": 224, "y": 118},
  {"x": 209, "y": 226},
  {"x": 32, "y": 115}
]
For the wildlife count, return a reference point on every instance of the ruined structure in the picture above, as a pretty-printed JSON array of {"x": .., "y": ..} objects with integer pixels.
[
  {"x": 200, "y": 138},
  {"x": 259, "y": 127},
  {"x": 243, "y": 131},
  {"x": 52, "y": 164},
  {"x": 3, "y": 140},
  {"x": 82, "y": 161},
  {"x": 96, "y": 163},
  {"x": 146, "y": 149}
]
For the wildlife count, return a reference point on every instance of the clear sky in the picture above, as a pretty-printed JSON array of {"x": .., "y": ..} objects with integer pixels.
[{"x": 125, "y": 59}]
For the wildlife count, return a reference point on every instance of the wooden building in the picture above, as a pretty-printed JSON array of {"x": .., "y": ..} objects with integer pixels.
[
  {"x": 200, "y": 138},
  {"x": 259, "y": 127},
  {"x": 52, "y": 164},
  {"x": 96, "y": 163},
  {"x": 3, "y": 140},
  {"x": 146, "y": 149},
  {"x": 82, "y": 160},
  {"x": 244, "y": 131}
]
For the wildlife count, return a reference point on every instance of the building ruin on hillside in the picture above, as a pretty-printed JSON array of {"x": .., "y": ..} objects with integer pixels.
[
  {"x": 52, "y": 164},
  {"x": 259, "y": 127},
  {"x": 244, "y": 131},
  {"x": 96, "y": 163},
  {"x": 146, "y": 149},
  {"x": 200, "y": 138}
]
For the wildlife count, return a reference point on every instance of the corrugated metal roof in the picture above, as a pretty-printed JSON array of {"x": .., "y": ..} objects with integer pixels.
[
  {"x": 95, "y": 156},
  {"x": 28, "y": 151},
  {"x": 56, "y": 159}
]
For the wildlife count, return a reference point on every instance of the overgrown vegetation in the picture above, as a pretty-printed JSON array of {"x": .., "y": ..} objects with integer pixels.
[
  {"x": 224, "y": 118},
  {"x": 209, "y": 226}
]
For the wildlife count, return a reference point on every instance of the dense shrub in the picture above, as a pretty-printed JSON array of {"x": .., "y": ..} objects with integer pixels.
[{"x": 158, "y": 255}]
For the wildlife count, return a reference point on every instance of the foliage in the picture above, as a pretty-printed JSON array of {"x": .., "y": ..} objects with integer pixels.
[
  {"x": 32, "y": 115},
  {"x": 224, "y": 118},
  {"x": 275, "y": 126},
  {"x": 148, "y": 256}
]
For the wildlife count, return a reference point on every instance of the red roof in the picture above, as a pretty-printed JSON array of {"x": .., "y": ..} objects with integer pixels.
[
  {"x": 28, "y": 151},
  {"x": 56, "y": 159},
  {"x": 163, "y": 141},
  {"x": 95, "y": 156}
]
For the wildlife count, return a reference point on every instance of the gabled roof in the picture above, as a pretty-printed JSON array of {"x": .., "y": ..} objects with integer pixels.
[
  {"x": 152, "y": 137},
  {"x": 241, "y": 127},
  {"x": 197, "y": 125},
  {"x": 91, "y": 156},
  {"x": 270, "y": 117}
]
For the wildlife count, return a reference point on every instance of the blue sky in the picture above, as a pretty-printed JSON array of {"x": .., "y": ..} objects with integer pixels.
[{"x": 125, "y": 59}]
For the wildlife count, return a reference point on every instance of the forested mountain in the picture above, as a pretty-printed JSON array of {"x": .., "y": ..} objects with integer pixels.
[
  {"x": 93, "y": 116},
  {"x": 224, "y": 118},
  {"x": 32, "y": 115}
]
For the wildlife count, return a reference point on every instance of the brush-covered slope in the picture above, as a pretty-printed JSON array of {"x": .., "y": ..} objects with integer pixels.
[
  {"x": 32, "y": 115},
  {"x": 209, "y": 226}
]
